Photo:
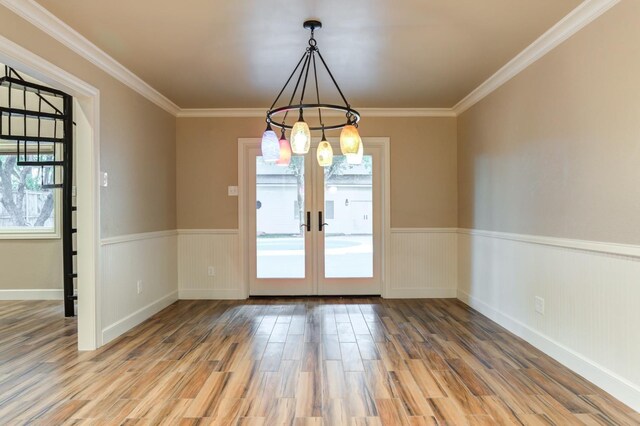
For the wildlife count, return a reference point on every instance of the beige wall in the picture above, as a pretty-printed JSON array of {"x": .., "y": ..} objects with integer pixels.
[
  {"x": 556, "y": 151},
  {"x": 423, "y": 169},
  {"x": 30, "y": 264},
  {"x": 137, "y": 140}
]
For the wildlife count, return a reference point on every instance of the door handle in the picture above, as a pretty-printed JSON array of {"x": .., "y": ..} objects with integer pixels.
[
  {"x": 308, "y": 224},
  {"x": 321, "y": 223}
]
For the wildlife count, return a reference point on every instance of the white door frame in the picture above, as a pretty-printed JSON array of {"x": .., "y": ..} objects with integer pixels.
[
  {"x": 245, "y": 144},
  {"x": 87, "y": 117}
]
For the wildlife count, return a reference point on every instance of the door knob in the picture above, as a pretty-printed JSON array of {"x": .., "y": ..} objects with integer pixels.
[
  {"x": 321, "y": 224},
  {"x": 308, "y": 224}
]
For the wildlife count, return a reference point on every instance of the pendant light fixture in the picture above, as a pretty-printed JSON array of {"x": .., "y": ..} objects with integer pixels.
[
  {"x": 325, "y": 152},
  {"x": 285, "y": 151},
  {"x": 350, "y": 140},
  {"x": 270, "y": 146},
  {"x": 300, "y": 130},
  {"x": 300, "y": 137},
  {"x": 355, "y": 159}
]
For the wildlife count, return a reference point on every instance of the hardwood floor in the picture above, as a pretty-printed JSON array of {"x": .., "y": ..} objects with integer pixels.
[{"x": 307, "y": 361}]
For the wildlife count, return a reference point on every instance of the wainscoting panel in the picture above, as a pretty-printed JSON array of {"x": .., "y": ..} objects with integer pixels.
[
  {"x": 591, "y": 294},
  {"x": 150, "y": 258},
  {"x": 200, "y": 249},
  {"x": 423, "y": 262}
]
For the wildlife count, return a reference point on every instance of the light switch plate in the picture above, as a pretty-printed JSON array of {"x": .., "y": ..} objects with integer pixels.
[{"x": 232, "y": 191}]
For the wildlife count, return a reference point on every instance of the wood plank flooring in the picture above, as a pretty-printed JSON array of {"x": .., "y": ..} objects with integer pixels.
[{"x": 307, "y": 361}]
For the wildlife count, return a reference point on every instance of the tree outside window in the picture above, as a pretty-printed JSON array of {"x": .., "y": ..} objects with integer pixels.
[{"x": 24, "y": 205}]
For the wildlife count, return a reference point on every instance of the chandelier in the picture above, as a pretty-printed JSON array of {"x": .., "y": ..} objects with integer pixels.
[{"x": 278, "y": 150}]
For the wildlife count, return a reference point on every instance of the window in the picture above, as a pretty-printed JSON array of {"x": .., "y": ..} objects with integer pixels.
[
  {"x": 330, "y": 209},
  {"x": 296, "y": 209},
  {"x": 27, "y": 210}
]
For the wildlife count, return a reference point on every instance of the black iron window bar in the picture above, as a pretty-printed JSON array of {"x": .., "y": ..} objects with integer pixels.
[{"x": 308, "y": 61}]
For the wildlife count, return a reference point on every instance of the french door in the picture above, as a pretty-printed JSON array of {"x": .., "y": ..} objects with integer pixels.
[{"x": 314, "y": 230}]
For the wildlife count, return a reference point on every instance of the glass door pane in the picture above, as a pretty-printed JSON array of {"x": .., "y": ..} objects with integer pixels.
[
  {"x": 348, "y": 213},
  {"x": 280, "y": 219}
]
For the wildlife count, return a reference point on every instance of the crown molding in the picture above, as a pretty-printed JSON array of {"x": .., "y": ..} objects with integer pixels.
[
  {"x": 407, "y": 112},
  {"x": 366, "y": 112},
  {"x": 53, "y": 26},
  {"x": 221, "y": 112},
  {"x": 577, "y": 19},
  {"x": 40, "y": 17}
]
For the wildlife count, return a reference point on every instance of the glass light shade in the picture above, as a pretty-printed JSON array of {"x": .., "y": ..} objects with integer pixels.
[
  {"x": 356, "y": 158},
  {"x": 270, "y": 146},
  {"x": 300, "y": 138},
  {"x": 325, "y": 154},
  {"x": 350, "y": 140},
  {"x": 285, "y": 152}
]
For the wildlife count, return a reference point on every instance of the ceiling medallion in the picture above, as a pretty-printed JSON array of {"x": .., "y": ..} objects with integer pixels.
[{"x": 278, "y": 150}]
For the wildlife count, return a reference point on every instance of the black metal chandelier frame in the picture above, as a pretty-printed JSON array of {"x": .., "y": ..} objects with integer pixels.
[{"x": 308, "y": 61}]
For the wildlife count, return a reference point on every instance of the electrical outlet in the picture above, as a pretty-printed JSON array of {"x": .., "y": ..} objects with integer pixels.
[
  {"x": 211, "y": 271},
  {"x": 540, "y": 305},
  {"x": 232, "y": 191},
  {"x": 139, "y": 286},
  {"x": 104, "y": 179}
]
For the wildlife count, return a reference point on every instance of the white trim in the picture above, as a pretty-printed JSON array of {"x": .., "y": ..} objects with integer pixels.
[
  {"x": 386, "y": 224},
  {"x": 209, "y": 294},
  {"x": 29, "y": 234},
  {"x": 584, "y": 245},
  {"x": 53, "y": 26},
  {"x": 137, "y": 237},
  {"x": 221, "y": 112},
  {"x": 87, "y": 117},
  {"x": 421, "y": 293},
  {"x": 407, "y": 112},
  {"x": 207, "y": 231},
  {"x": 243, "y": 147},
  {"x": 577, "y": 19},
  {"x": 31, "y": 294},
  {"x": 609, "y": 381},
  {"x": 39, "y": 233},
  {"x": 17, "y": 56},
  {"x": 127, "y": 323},
  {"x": 366, "y": 112},
  {"x": 424, "y": 230}
]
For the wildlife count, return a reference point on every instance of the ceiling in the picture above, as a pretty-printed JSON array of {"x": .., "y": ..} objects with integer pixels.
[{"x": 238, "y": 54}]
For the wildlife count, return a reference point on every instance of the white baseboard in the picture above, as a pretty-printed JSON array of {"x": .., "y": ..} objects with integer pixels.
[
  {"x": 125, "y": 324},
  {"x": 211, "y": 294},
  {"x": 617, "y": 386},
  {"x": 32, "y": 294},
  {"x": 421, "y": 293}
]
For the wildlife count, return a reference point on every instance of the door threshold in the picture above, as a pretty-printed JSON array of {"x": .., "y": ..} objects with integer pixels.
[{"x": 318, "y": 296}]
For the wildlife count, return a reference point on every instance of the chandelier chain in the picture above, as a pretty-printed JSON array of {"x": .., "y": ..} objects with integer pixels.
[
  {"x": 288, "y": 80},
  {"x": 334, "y": 80},
  {"x": 303, "y": 68},
  {"x": 295, "y": 89},
  {"x": 315, "y": 75},
  {"x": 306, "y": 75}
]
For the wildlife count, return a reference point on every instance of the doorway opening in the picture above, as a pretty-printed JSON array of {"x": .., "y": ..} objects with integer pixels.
[
  {"x": 84, "y": 104},
  {"x": 36, "y": 174}
]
